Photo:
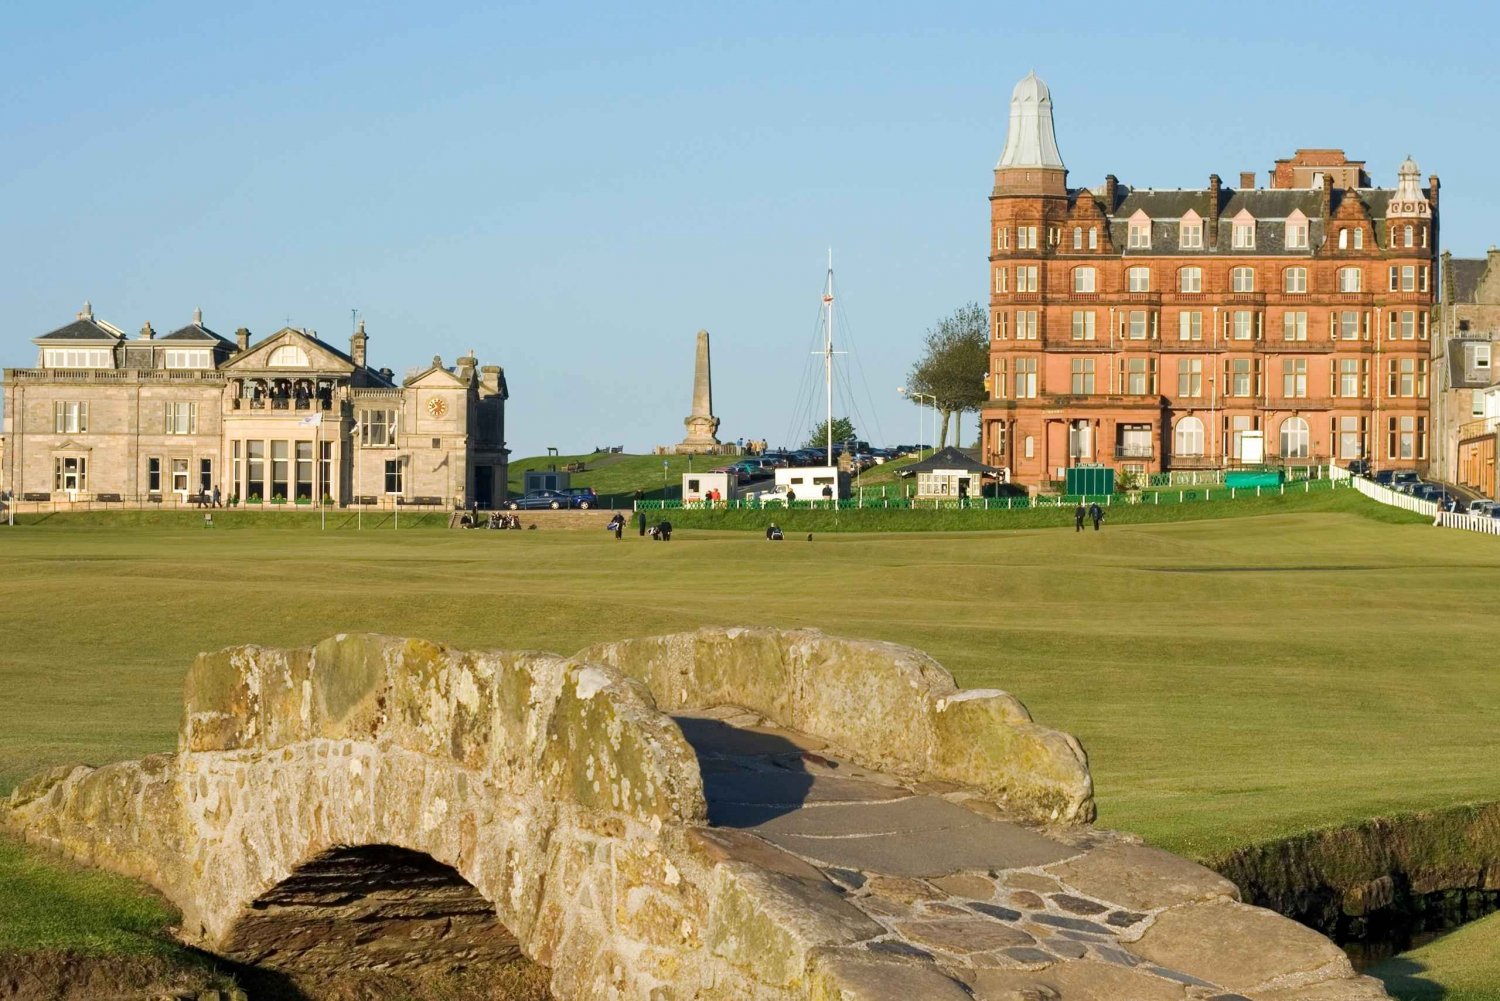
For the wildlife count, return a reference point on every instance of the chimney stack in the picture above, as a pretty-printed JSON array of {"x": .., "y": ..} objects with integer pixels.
[
  {"x": 1111, "y": 188},
  {"x": 357, "y": 345},
  {"x": 146, "y": 332},
  {"x": 198, "y": 316},
  {"x": 1213, "y": 211},
  {"x": 242, "y": 339},
  {"x": 1247, "y": 180}
]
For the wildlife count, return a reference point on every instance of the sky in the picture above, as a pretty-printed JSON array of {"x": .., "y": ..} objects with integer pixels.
[{"x": 573, "y": 190}]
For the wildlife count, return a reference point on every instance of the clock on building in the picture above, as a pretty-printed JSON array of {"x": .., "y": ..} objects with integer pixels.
[{"x": 437, "y": 406}]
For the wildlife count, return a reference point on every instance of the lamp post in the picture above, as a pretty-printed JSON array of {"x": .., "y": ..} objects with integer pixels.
[{"x": 919, "y": 397}]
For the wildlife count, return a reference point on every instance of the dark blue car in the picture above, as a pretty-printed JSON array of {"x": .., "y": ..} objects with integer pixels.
[{"x": 555, "y": 500}]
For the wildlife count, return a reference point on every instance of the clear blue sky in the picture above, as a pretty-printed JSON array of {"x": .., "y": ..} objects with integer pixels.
[{"x": 574, "y": 190}]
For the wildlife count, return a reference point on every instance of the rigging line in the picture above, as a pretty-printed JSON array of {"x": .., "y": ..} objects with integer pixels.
[
  {"x": 863, "y": 378},
  {"x": 803, "y": 401}
]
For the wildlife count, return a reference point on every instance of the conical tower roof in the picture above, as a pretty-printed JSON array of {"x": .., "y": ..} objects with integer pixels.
[{"x": 1030, "y": 140}]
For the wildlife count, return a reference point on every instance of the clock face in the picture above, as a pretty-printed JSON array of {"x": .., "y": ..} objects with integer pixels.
[{"x": 437, "y": 406}]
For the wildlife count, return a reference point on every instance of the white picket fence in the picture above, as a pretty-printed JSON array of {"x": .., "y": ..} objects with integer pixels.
[
  {"x": 1470, "y": 522},
  {"x": 1386, "y": 495}
]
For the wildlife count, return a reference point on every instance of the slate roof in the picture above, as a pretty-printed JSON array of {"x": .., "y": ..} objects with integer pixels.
[
  {"x": 1269, "y": 206},
  {"x": 947, "y": 458},
  {"x": 197, "y": 332},
  {"x": 1466, "y": 273},
  {"x": 82, "y": 330}
]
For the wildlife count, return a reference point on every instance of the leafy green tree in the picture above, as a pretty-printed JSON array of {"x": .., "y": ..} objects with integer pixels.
[
  {"x": 953, "y": 365},
  {"x": 843, "y": 430}
]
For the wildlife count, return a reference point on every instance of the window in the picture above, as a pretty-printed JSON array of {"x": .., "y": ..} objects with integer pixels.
[
  {"x": 1054, "y": 234},
  {"x": 182, "y": 418},
  {"x": 1359, "y": 239},
  {"x": 1002, "y": 326},
  {"x": 1294, "y": 325},
  {"x": 1408, "y": 278},
  {"x": 1296, "y": 234},
  {"x": 1240, "y": 375},
  {"x": 1295, "y": 442},
  {"x": 1190, "y": 234},
  {"x": 1026, "y": 278},
  {"x": 1351, "y": 378},
  {"x": 325, "y": 469},
  {"x": 1190, "y": 325},
  {"x": 205, "y": 476},
  {"x": 1294, "y": 378},
  {"x": 1296, "y": 279},
  {"x": 1140, "y": 234},
  {"x": 237, "y": 466},
  {"x": 1423, "y": 283},
  {"x": 1403, "y": 324},
  {"x": 70, "y": 417},
  {"x": 304, "y": 487},
  {"x": 1028, "y": 447},
  {"x": 393, "y": 477},
  {"x": 1407, "y": 377},
  {"x": 1077, "y": 237},
  {"x": 1140, "y": 376},
  {"x": 1343, "y": 239},
  {"x": 1242, "y": 236},
  {"x": 1138, "y": 279},
  {"x": 153, "y": 475},
  {"x": 1349, "y": 325},
  {"x": 1083, "y": 376},
  {"x": 78, "y": 358},
  {"x": 996, "y": 382},
  {"x": 377, "y": 428},
  {"x": 180, "y": 476},
  {"x": 1190, "y": 378},
  {"x": 1408, "y": 234},
  {"x": 1481, "y": 355},
  {"x": 189, "y": 358},
  {"x": 1406, "y": 438},
  {"x": 288, "y": 356},
  {"x": 1083, "y": 279},
  {"x": 1093, "y": 245},
  {"x": 1002, "y": 238},
  {"x": 1080, "y": 439},
  {"x": 1025, "y": 325},
  {"x": 1242, "y": 279},
  {"x": 1083, "y": 324},
  {"x": 1242, "y": 324},
  {"x": 1025, "y": 378},
  {"x": 1190, "y": 280},
  {"x": 1000, "y": 279},
  {"x": 1187, "y": 441},
  {"x": 280, "y": 468},
  {"x": 1237, "y": 428},
  {"x": 255, "y": 482},
  {"x": 1025, "y": 240},
  {"x": 70, "y": 473},
  {"x": 1136, "y": 329},
  {"x": 1351, "y": 437},
  {"x": 1350, "y": 279}
]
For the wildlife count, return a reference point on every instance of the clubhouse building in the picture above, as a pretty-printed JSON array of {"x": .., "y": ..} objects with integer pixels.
[
  {"x": 1156, "y": 330},
  {"x": 287, "y": 420}
]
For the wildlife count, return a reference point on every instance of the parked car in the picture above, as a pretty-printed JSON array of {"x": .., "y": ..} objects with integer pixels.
[
  {"x": 1359, "y": 467},
  {"x": 556, "y": 500},
  {"x": 583, "y": 497},
  {"x": 1483, "y": 507},
  {"x": 1404, "y": 480}
]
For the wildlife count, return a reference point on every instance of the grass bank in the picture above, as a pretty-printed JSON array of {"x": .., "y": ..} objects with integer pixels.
[{"x": 1463, "y": 966}]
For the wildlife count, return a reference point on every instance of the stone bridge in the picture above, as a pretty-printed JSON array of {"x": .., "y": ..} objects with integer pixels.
[{"x": 735, "y": 814}]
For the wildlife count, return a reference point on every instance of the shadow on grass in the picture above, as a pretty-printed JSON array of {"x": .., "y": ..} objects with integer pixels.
[{"x": 1403, "y": 980}]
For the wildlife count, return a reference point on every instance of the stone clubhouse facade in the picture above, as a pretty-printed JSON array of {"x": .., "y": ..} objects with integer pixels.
[
  {"x": 1160, "y": 330},
  {"x": 288, "y": 420}
]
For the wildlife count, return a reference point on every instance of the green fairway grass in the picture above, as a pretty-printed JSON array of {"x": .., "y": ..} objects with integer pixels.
[
  {"x": 1461, "y": 966},
  {"x": 1233, "y": 679}
]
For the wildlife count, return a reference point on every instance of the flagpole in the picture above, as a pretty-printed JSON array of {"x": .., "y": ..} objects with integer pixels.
[
  {"x": 318, "y": 459},
  {"x": 359, "y": 480}
]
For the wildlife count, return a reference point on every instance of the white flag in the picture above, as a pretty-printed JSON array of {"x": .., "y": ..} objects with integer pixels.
[{"x": 311, "y": 421}]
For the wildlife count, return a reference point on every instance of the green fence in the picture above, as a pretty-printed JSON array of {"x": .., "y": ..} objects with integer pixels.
[{"x": 1157, "y": 497}]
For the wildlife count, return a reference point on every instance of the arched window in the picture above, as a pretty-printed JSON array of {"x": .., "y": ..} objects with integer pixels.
[
  {"x": 1343, "y": 239},
  {"x": 1083, "y": 279},
  {"x": 1350, "y": 279},
  {"x": 1408, "y": 234},
  {"x": 1294, "y": 438},
  {"x": 1188, "y": 439},
  {"x": 288, "y": 356},
  {"x": 1359, "y": 238},
  {"x": 1077, "y": 237}
]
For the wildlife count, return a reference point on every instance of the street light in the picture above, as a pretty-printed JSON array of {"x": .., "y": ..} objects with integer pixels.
[{"x": 919, "y": 397}]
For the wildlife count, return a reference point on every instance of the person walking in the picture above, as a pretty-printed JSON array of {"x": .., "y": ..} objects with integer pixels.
[
  {"x": 218, "y": 497},
  {"x": 640, "y": 522},
  {"x": 618, "y": 524},
  {"x": 1096, "y": 514},
  {"x": 828, "y": 495},
  {"x": 1078, "y": 515}
]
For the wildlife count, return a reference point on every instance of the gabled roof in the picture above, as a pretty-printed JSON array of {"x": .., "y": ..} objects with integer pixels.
[
  {"x": 83, "y": 329},
  {"x": 308, "y": 341},
  {"x": 1466, "y": 273},
  {"x": 947, "y": 458},
  {"x": 197, "y": 332}
]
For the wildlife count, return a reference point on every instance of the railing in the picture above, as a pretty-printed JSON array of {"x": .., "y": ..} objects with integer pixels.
[
  {"x": 1479, "y": 428},
  {"x": 1134, "y": 451},
  {"x": 1481, "y": 523},
  {"x": 112, "y": 375},
  {"x": 1393, "y": 498}
]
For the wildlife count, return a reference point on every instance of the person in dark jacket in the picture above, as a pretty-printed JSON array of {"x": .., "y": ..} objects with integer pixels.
[
  {"x": 664, "y": 531},
  {"x": 1078, "y": 515},
  {"x": 640, "y": 522},
  {"x": 1096, "y": 515}
]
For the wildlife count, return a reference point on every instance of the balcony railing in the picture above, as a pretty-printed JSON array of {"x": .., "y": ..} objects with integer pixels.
[
  {"x": 281, "y": 403},
  {"x": 1134, "y": 451},
  {"x": 1479, "y": 428}
]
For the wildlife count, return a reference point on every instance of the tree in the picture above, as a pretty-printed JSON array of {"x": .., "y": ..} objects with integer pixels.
[
  {"x": 843, "y": 430},
  {"x": 952, "y": 368}
]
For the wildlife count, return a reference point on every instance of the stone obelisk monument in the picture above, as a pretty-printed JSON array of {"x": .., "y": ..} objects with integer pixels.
[{"x": 702, "y": 425}]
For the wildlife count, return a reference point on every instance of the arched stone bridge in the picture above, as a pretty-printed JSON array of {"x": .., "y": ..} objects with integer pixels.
[{"x": 728, "y": 814}]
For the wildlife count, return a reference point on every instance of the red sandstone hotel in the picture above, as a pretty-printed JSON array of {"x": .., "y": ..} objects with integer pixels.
[{"x": 1161, "y": 330}]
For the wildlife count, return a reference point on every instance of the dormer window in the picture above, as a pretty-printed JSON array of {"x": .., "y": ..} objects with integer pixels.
[
  {"x": 1190, "y": 231},
  {"x": 1093, "y": 238},
  {"x": 1077, "y": 237},
  {"x": 1242, "y": 236},
  {"x": 189, "y": 358},
  {"x": 1359, "y": 239},
  {"x": 1343, "y": 239},
  {"x": 1140, "y": 232},
  {"x": 1296, "y": 231}
]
